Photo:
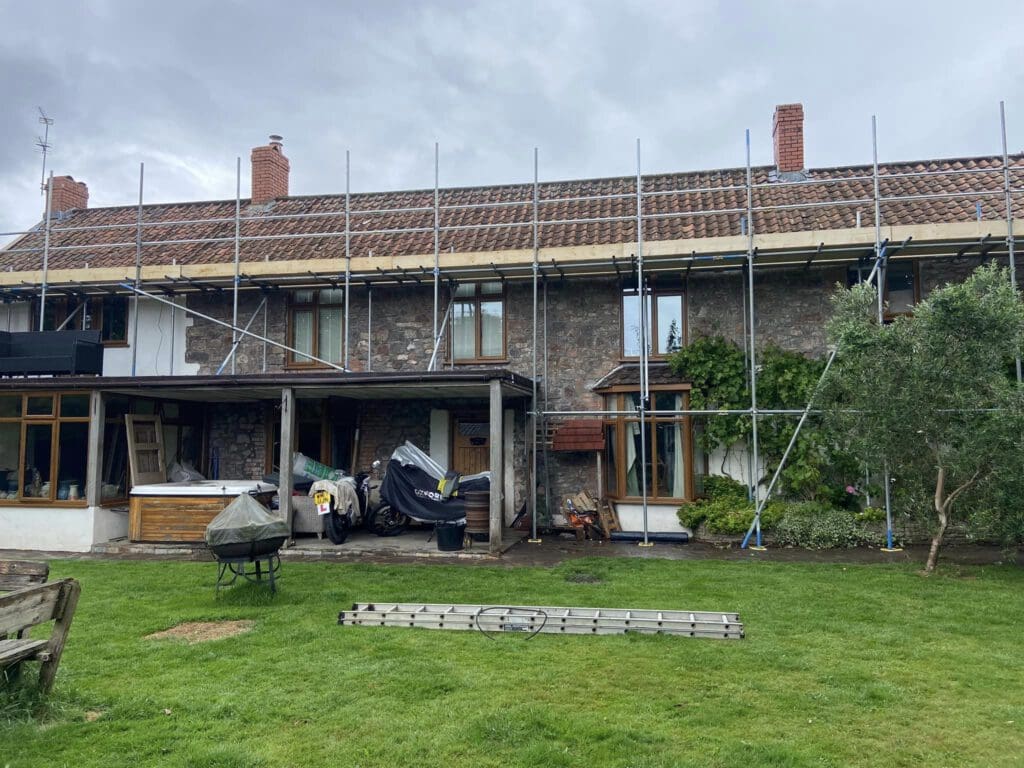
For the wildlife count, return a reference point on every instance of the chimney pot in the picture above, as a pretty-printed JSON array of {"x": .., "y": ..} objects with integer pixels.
[
  {"x": 270, "y": 170},
  {"x": 788, "y": 137}
]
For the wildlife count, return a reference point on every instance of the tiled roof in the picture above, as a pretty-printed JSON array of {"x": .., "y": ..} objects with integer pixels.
[
  {"x": 570, "y": 222},
  {"x": 628, "y": 374}
]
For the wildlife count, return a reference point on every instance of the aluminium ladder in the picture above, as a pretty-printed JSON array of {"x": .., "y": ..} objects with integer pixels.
[{"x": 547, "y": 619}]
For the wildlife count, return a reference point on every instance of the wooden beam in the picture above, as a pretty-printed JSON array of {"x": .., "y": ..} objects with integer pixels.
[
  {"x": 284, "y": 488},
  {"x": 497, "y": 439},
  {"x": 94, "y": 448}
]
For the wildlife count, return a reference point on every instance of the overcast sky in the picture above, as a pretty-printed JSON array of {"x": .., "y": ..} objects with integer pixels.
[{"x": 186, "y": 87}]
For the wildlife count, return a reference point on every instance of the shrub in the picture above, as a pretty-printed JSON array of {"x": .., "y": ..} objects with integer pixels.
[{"x": 816, "y": 526}]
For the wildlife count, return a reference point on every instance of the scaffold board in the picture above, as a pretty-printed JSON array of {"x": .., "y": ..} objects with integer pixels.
[{"x": 546, "y": 619}]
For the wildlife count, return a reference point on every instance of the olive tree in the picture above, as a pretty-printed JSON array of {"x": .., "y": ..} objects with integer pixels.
[{"x": 933, "y": 393}]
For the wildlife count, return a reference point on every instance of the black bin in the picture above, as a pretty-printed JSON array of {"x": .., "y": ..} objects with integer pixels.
[{"x": 450, "y": 536}]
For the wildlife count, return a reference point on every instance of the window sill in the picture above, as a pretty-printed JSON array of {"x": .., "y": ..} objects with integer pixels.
[
  {"x": 115, "y": 344},
  {"x": 481, "y": 361},
  {"x": 43, "y": 503},
  {"x": 650, "y": 500}
]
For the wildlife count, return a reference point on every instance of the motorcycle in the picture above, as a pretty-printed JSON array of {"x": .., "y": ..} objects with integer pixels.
[{"x": 352, "y": 502}]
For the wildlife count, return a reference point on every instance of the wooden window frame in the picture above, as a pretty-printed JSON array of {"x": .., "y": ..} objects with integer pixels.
[
  {"x": 619, "y": 422},
  {"x": 654, "y": 291},
  {"x": 314, "y": 307},
  {"x": 55, "y": 420},
  {"x": 476, "y": 300}
]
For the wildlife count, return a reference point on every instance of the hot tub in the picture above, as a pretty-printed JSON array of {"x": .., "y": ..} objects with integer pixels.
[{"x": 181, "y": 511}]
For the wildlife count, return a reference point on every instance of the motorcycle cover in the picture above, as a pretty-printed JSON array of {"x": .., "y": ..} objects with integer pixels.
[
  {"x": 414, "y": 485},
  {"x": 343, "y": 491}
]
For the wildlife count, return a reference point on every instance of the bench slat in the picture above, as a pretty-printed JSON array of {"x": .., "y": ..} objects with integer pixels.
[
  {"x": 28, "y": 607},
  {"x": 15, "y": 574},
  {"x": 20, "y": 650}
]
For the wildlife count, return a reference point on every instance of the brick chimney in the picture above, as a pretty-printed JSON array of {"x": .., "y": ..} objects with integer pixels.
[
  {"x": 67, "y": 194},
  {"x": 269, "y": 172},
  {"x": 788, "y": 137}
]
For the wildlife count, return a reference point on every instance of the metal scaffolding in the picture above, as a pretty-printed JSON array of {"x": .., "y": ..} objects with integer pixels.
[{"x": 1008, "y": 180}]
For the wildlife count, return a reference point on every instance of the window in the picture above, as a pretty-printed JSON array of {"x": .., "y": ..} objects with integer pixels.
[
  {"x": 669, "y": 447},
  {"x": 106, "y": 314},
  {"x": 901, "y": 286},
  {"x": 478, "y": 322},
  {"x": 43, "y": 446},
  {"x": 316, "y": 325},
  {"x": 665, "y": 314}
]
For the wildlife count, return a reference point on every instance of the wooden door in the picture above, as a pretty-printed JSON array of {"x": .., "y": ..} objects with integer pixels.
[
  {"x": 471, "y": 445},
  {"x": 145, "y": 449}
]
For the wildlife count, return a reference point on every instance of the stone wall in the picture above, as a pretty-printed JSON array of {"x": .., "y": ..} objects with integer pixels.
[
  {"x": 583, "y": 345},
  {"x": 238, "y": 434}
]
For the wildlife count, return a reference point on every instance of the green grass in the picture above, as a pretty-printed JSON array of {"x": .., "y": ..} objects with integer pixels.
[{"x": 842, "y": 666}]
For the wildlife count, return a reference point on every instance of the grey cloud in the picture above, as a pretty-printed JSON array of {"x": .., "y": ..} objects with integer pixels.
[{"x": 187, "y": 86}]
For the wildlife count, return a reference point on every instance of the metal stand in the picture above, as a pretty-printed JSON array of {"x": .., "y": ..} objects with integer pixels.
[{"x": 239, "y": 566}]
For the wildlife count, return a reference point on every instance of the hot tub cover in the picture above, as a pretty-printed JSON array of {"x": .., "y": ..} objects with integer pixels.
[{"x": 244, "y": 520}]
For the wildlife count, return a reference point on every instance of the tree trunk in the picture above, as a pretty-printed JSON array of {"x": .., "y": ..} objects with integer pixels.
[
  {"x": 933, "y": 552},
  {"x": 940, "y": 510}
]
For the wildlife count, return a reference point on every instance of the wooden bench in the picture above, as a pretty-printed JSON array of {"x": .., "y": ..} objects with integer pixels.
[
  {"x": 17, "y": 574},
  {"x": 31, "y": 606}
]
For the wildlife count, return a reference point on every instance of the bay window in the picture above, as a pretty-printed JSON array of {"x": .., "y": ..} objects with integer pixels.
[
  {"x": 478, "y": 323},
  {"x": 669, "y": 447}
]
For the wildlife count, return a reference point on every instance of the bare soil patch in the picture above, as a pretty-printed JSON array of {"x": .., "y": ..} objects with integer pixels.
[{"x": 202, "y": 631}]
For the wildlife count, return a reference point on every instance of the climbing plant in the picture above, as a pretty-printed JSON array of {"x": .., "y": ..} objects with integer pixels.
[{"x": 715, "y": 368}]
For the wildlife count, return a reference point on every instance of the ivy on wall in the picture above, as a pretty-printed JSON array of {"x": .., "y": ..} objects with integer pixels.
[{"x": 716, "y": 369}]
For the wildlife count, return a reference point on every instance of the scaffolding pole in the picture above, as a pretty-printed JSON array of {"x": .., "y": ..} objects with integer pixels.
[
  {"x": 46, "y": 253},
  {"x": 348, "y": 249},
  {"x": 238, "y": 243},
  {"x": 755, "y": 448},
  {"x": 138, "y": 272},
  {"x": 644, "y": 404},
  {"x": 437, "y": 234},
  {"x": 534, "y": 421},
  {"x": 1010, "y": 246},
  {"x": 880, "y": 282}
]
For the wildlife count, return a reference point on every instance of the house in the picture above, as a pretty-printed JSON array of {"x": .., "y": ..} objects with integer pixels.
[{"x": 349, "y": 323}]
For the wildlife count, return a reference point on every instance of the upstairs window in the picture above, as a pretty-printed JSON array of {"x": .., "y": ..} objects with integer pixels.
[
  {"x": 902, "y": 287},
  {"x": 478, "y": 323},
  {"x": 316, "y": 326},
  {"x": 106, "y": 314},
  {"x": 665, "y": 315}
]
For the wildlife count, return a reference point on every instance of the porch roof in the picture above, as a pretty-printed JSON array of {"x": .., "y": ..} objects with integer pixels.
[{"x": 409, "y": 385}]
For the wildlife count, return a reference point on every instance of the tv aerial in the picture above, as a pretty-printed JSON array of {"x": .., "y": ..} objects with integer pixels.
[{"x": 43, "y": 144}]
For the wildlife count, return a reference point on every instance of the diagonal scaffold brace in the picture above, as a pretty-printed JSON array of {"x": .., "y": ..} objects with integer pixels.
[{"x": 762, "y": 499}]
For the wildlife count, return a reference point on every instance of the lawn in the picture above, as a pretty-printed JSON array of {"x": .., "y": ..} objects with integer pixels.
[{"x": 842, "y": 666}]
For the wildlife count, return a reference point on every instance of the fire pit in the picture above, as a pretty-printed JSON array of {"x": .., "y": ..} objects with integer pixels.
[{"x": 246, "y": 534}]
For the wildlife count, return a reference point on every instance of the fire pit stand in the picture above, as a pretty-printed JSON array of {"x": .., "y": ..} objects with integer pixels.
[{"x": 230, "y": 568}]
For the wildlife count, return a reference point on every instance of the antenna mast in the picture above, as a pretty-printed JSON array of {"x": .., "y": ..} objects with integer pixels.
[{"x": 44, "y": 145}]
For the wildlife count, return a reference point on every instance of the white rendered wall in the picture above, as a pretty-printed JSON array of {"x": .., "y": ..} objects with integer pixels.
[
  {"x": 661, "y": 518},
  {"x": 440, "y": 438},
  {"x": 154, "y": 355},
  {"x": 59, "y": 529}
]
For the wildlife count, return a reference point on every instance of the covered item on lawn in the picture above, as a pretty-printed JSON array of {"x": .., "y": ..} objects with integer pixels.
[
  {"x": 245, "y": 529},
  {"x": 416, "y": 485}
]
